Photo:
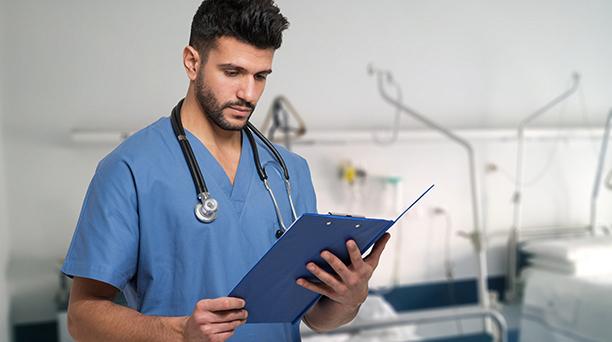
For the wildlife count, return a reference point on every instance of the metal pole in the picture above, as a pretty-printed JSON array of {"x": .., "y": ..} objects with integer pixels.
[
  {"x": 600, "y": 166},
  {"x": 518, "y": 186},
  {"x": 477, "y": 234}
]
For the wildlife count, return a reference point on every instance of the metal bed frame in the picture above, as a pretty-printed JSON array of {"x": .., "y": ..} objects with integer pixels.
[
  {"x": 600, "y": 165},
  {"x": 515, "y": 233},
  {"x": 426, "y": 316},
  {"x": 540, "y": 233}
]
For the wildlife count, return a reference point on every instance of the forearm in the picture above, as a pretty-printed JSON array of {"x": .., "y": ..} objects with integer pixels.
[
  {"x": 102, "y": 320},
  {"x": 326, "y": 315}
]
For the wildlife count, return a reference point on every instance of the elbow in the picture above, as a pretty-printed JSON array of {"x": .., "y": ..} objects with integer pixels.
[{"x": 73, "y": 323}]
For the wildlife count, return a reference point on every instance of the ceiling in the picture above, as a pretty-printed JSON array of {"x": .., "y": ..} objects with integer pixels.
[{"x": 117, "y": 65}]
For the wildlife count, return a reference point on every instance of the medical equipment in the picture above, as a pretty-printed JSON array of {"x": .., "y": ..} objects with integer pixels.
[
  {"x": 278, "y": 118},
  {"x": 516, "y": 200},
  {"x": 396, "y": 185},
  {"x": 375, "y": 307},
  {"x": 566, "y": 284},
  {"x": 350, "y": 174},
  {"x": 476, "y": 235},
  {"x": 566, "y": 290},
  {"x": 206, "y": 209},
  {"x": 396, "y": 121},
  {"x": 409, "y": 318},
  {"x": 600, "y": 165}
]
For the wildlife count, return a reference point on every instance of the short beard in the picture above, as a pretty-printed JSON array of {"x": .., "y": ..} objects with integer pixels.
[{"x": 214, "y": 110}]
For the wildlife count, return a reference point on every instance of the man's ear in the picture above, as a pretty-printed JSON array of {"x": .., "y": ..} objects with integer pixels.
[{"x": 191, "y": 62}]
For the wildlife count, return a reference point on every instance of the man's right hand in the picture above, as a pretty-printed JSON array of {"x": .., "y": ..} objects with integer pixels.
[{"x": 215, "y": 320}]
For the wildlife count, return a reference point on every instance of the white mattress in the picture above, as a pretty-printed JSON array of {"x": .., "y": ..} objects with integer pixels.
[
  {"x": 375, "y": 307},
  {"x": 563, "y": 308},
  {"x": 572, "y": 250},
  {"x": 583, "y": 268}
]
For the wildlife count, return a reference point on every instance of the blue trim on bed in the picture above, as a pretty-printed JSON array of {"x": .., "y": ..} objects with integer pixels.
[{"x": 439, "y": 294}]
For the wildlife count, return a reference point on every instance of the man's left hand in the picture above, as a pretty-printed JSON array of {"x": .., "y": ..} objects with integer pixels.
[{"x": 349, "y": 286}]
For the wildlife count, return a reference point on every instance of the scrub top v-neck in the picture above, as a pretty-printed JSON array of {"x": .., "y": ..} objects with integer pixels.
[
  {"x": 137, "y": 230},
  {"x": 236, "y": 193}
]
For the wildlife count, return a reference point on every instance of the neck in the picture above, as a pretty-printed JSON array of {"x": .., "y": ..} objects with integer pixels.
[{"x": 197, "y": 122}]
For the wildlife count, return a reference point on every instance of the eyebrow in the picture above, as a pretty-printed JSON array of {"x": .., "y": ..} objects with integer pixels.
[{"x": 241, "y": 69}]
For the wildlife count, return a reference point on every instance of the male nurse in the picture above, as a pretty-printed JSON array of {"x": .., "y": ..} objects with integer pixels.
[{"x": 137, "y": 232}]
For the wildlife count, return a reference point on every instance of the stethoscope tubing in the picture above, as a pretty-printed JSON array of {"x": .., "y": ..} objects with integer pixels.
[
  {"x": 200, "y": 184},
  {"x": 194, "y": 168}
]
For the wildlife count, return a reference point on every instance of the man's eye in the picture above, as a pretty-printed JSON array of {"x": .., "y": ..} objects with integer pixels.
[
  {"x": 260, "y": 77},
  {"x": 231, "y": 73}
]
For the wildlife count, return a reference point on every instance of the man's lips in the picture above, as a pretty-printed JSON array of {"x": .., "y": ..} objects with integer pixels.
[{"x": 245, "y": 110}]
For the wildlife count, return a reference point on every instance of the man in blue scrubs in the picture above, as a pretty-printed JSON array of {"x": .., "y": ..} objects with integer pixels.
[{"x": 137, "y": 232}]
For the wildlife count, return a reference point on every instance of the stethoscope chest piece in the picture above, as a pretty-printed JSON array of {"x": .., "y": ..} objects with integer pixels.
[{"x": 206, "y": 209}]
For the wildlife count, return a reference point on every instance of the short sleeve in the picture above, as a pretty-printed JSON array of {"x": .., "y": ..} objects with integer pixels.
[
  {"x": 306, "y": 188},
  {"x": 104, "y": 246}
]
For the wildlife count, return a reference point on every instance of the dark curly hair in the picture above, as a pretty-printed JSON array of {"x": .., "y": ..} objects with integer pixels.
[{"x": 256, "y": 22}]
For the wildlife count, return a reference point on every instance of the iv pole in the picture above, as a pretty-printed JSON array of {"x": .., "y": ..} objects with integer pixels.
[{"x": 476, "y": 235}]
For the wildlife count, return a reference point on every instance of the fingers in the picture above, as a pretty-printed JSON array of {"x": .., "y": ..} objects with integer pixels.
[
  {"x": 352, "y": 276},
  {"x": 321, "y": 289},
  {"x": 336, "y": 264},
  {"x": 215, "y": 319},
  {"x": 220, "y": 310},
  {"x": 220, "y": 328},
  {"x": 354, "y": 253},
  {"x": 220, "y": 316},
  {"x": 333, "y": 285},
  {"x": 225, "y": 336},
  {"x": 220, "y": 304},
  {"x": 329, "y": 279},
  {"x": 358, "y": 264},
  {"x": 373, "y": 258}
]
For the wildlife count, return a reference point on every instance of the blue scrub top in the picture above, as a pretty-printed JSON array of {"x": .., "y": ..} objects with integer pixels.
[{"x": 138, "y": 232}]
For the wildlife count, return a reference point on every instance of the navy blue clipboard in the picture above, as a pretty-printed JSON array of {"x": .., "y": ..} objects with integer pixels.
[{"x": 269, "y": 288}]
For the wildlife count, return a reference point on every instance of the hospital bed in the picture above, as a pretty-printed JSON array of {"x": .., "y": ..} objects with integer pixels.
[
  {"x": 567, "y": 279},
  {"x": 378, "y": 322},
  {"x": 517, "y": 233},
  {"x": 567, "y": 288}
]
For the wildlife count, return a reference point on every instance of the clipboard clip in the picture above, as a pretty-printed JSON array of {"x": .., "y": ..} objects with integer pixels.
[{"x": 345, "y": 215}]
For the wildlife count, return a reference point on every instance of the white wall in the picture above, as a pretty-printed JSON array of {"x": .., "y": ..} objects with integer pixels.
[
  {"x": 559, "y": 175},
  {"x": 4, "y": 229},
  {"x": 4, "y": 247},
  {"x": 469, "y": 64},
  {"x": 116, "y": 65}
]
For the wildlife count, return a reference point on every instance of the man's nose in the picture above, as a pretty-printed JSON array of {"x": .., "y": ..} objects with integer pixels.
[{"x": 248, "y": 91}]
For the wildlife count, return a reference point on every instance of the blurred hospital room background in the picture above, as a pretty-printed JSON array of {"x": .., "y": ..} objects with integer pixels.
[{"x": 502, "y": 104}]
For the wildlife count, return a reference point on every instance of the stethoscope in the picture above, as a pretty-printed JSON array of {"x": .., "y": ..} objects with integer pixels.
[{"x": 207, "y": 207}]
